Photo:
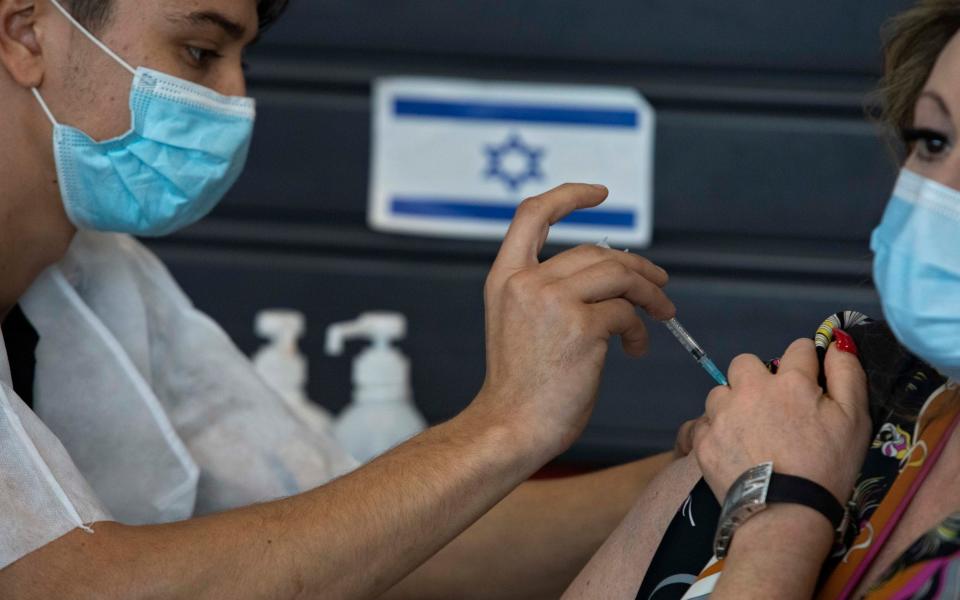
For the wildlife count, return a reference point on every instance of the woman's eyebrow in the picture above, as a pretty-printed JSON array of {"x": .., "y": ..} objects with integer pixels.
[
  {"x": 938, "y": 100},
  {"x": 209, "y": 17}
]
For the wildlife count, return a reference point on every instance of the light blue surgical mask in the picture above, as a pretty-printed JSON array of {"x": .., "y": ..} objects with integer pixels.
[
  {"x": 917, "y": 269},
  {"x": 186, "y": 147}
]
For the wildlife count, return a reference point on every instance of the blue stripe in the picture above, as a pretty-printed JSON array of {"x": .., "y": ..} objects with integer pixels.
[
  {"x": 525, "y": 113},
  {"x": 486, "y": 211}
]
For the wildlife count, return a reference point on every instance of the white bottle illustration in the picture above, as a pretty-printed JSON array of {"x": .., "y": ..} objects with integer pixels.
[
  {"x": 281, "y": 365},
  {"x": 382, "y": 414}
]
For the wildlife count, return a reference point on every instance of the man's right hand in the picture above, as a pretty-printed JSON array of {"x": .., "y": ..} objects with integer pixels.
[{"x": 548, "y": 324}]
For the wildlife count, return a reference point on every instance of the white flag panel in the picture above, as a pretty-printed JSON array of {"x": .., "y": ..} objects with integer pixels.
[{"x": 454, "y": 158}]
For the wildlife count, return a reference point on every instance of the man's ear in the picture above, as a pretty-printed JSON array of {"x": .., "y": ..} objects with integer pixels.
[{"x": 20, "y": 51}]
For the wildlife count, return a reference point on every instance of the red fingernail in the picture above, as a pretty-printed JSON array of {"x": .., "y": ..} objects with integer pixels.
[{"x": 844, "y": 342}]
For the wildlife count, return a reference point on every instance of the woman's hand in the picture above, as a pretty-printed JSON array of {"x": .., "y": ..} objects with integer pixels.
[
  {"x": 788, "y": 419},
  {"x": 548, "y": 324},
  {"x": 683, "y": 445}
]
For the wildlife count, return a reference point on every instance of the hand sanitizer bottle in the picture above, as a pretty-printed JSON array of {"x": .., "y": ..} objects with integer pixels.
[
  {"x": 382, "y": 414},
  {"x": 281, "y": 365}
]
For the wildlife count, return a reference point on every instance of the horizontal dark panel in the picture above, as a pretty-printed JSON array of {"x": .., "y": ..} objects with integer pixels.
[
  {"x": 642, "y": 401},
  {"x": 837, "y": 261},
  {"x": 801, "y": 92},
  {"x": 756, "y": 175},
  {"x": 716, "y": 172},
  {"x": 818, "y": 36}
]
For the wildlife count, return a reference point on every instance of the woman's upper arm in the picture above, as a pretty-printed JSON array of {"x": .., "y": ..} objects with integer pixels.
[{"x": 617, "y": 569}]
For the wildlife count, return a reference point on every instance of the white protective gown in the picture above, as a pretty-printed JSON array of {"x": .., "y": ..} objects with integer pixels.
[{"x": 145, "y": 410}]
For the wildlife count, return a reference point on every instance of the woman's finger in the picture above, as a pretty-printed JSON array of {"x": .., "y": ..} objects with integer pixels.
[
  {"x": 744, "y": 367},
  {"x": 531, "y": 223},
  {"x": 717, "y": 397},
  {"x": 686, "y": 435},
  {"x": 846, "y": 380},
  {"x": 801, "y": 356},
  {"x": 699, "y": 434}
]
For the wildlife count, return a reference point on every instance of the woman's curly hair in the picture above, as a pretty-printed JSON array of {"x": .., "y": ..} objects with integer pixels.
[{"x": 913, "y": 41}]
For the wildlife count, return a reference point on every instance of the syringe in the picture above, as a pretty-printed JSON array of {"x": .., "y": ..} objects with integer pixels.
[
  {"x": 691, "y": 346},
  {"x": 686, "y": 340}
]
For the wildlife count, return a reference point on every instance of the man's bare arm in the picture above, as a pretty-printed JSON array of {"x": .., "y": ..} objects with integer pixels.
[
  {"x": 353, "y": 538},
  {"x": 529, "y": 546},
  {"x": 536, "y": 540},
  {"x": 548, "y": 327}
]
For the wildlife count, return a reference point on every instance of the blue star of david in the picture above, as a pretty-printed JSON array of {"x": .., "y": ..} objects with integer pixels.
[{"x": 513, "y": 179}]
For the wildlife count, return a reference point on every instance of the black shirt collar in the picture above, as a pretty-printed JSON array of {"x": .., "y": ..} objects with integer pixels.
[{"x": 21, "y": 341}]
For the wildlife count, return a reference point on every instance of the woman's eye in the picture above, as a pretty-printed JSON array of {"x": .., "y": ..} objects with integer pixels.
[
  {"x": 928, "y": 144},
  {"x": 934, "y": 145}
]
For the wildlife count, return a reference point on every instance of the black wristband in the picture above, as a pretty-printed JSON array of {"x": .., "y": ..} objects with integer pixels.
[{"x": 797, "y": 490}]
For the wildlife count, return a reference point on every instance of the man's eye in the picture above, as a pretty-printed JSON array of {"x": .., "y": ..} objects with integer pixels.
[{"x": 202, "y": 56}]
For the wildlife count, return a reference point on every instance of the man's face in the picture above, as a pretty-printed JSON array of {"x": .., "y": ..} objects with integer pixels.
[{"x": 198, "y": 40}]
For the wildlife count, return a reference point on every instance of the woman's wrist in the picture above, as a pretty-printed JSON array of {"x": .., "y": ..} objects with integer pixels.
[
  {"x": 777, "y": 553},
  {"x": 791, "y": 529}
]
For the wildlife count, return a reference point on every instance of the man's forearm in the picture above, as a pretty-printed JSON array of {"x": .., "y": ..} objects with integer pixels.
[
  {"x": 536, "y": 540},
  {"x": 353, "y": 538}
]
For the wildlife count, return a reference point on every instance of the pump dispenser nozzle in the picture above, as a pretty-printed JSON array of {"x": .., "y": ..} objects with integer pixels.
[
  {"x": 382, "y": 413},
  {"x": 282, "y": 365},
  {"x": 383, "y": 328}
]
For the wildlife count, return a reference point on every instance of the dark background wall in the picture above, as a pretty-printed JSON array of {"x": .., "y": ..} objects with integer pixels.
[{"x": 768, "y": 183}]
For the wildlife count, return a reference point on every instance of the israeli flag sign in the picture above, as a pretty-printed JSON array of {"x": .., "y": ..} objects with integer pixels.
[{"x": 454, "y": 158}]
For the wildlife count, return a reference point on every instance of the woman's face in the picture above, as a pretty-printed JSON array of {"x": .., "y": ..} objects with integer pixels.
[
  {"x": 916, "y": 256},
  {"x": 936, "y": 122}
]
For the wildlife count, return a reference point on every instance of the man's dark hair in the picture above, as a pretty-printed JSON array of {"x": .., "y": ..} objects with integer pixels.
[{"x": 94, "y": 14}]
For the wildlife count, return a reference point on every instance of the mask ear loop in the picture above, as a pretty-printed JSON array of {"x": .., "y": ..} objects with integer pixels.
[
  {"x": 93, "y": 38},
  {"x": 43, "y": 105},
  {"x": 97, "y": 43}
]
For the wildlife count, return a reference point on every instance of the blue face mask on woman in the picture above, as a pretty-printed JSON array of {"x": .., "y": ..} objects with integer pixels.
[
  {"x": 917, "y": 269},
  {"x": 186, "y": 147}
]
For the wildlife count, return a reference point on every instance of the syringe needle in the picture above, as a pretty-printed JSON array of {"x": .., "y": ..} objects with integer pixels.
[
  {"x": 690, "y": 345},
  {"x": 686, "y": 340}
]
